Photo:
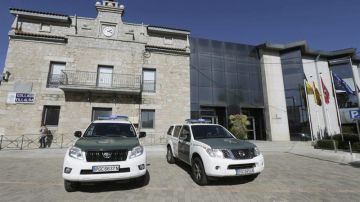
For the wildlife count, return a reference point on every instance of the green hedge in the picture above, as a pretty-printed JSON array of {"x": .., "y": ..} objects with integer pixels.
[
  {"x": 356, "y": 147},
  {"x": 326, "y": 144},
  {"x": 352, "y": 138}
]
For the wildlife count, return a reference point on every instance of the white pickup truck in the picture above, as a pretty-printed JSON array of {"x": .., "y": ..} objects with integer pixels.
[{"x": 213, "y": 151}]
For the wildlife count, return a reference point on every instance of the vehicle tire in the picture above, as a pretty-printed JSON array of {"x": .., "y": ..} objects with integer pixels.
[
  {"x": 143, "y": 180},
  {"x": 70, "y": 186},
  {"x": 251, "y": 177},
  {"x": 169, "y": 156},
  {"x": 198, "y": 172}
]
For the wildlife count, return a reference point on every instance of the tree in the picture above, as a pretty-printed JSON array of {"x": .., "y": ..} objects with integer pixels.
[{"x": 238, "y": 125}]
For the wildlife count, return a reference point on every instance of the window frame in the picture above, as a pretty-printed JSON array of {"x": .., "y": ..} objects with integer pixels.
[
  {"x": 143, "y": 79},
  {"x": 45, "y": 112},
  {"x": 99, "y": 108},
  {"x": 98, "y": 76},
  {"x": 141, "y": 121},
  {"x": 50, "y": 73}
]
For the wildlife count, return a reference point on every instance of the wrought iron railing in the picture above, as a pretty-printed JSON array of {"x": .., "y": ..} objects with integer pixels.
[
  {"x": 70, "y": 78},
  {"x": 54, "y": 80},
  {"x": 32, "y": 141}
]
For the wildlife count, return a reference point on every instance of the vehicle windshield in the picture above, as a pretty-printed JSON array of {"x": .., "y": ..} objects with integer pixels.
[
  {"x": 110, "y": 130},
  {"x": 209, "y": 131}
]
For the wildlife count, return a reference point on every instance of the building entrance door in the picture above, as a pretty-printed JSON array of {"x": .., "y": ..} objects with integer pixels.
[
  {"x": 212, "y": 119},
  {"x": 251, "y": 128}
]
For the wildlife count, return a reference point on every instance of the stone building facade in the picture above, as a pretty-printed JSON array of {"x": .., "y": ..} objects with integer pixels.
[{"x": 66, "y": 71}]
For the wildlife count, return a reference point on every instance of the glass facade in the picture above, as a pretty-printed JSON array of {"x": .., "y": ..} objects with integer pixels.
[
  {"x": 344, "y": 71},
  {"x": 225, "y": 79},
  {"x": 293, "y": 75}
]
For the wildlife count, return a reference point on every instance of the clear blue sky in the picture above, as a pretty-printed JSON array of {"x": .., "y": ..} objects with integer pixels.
[{"x": 325, "y": 24}]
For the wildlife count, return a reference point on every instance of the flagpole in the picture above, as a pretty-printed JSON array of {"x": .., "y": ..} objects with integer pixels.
[
  {"x": 308, "y": 110},
  {"x": 355, "y": 84},
  {"x": 325, "y": 106},
  {"x": 336, "y": 104},
  {"x": 321, "y": 91},
  {"x": 318, "y": 124}
]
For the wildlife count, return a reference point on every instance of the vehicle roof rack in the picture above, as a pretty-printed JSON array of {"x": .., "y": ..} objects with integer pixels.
[
  {"x": 113, "y": 117},
  {"x": 197, "y": 121}
]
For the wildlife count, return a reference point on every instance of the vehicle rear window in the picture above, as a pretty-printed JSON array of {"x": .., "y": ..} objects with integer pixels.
[
  {"x": 209, "y": 131},
  {"x": 170, "y": 130},
  {"x": 110, "y": 130},
  {"x": 177, "y": 131}
]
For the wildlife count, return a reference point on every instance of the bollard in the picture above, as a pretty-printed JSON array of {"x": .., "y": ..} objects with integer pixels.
[
  {"x": 350, "y": 148},
  {"x": 335, "y": 149},
  {"x": 1, "y": 139},
  {"x": 22, "y": 141}
]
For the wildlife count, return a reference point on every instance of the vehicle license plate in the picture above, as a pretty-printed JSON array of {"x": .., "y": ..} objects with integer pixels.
[
  {"x": 244, "y": 171},
  {"x": 102, "y": 169}
]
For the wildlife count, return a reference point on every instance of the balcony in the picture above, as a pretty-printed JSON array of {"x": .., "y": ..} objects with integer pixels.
[{"x": 80, "y": 81}]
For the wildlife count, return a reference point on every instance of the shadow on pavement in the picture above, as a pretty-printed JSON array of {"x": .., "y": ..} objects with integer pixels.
[
  {"x": 114, "y": 185},
  {"x": 218, "y": 181},
  {"x": 355, "y": 164}
]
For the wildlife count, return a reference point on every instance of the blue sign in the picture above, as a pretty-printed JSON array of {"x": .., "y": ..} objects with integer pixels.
[
  {"x": 24, "y": 98},
  {"x": 355, "y": 114}
]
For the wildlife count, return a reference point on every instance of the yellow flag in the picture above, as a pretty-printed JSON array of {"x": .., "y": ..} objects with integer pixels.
[
  {"x": 309, "y": 88},
  {"x": 317, "y": 95}
]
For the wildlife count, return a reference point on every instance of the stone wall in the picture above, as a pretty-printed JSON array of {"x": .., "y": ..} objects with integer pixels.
[{"x": 28, "y": 60}]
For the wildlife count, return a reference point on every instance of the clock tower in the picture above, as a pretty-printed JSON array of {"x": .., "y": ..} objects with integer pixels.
[{"x": 109, "y": 18}]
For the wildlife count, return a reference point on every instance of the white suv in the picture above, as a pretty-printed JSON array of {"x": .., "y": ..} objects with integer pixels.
[
  {"x": 213, "y": 151},
  {"x": 108, "y": 150}
]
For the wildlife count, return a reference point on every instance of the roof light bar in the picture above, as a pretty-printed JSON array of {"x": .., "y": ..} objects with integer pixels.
[
  {"x": 197, "y": 121},
  {"x": 113, "y": 117}
]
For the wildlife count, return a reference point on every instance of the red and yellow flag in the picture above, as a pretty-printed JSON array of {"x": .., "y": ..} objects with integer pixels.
[
  {"x": 309, "y": 88},
  {"x": 317, "y": 95},
  {"x": 326, "y": 92}
]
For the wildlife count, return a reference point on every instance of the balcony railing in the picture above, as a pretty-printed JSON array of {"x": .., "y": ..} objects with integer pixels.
[{"x": 92, "y": 81}]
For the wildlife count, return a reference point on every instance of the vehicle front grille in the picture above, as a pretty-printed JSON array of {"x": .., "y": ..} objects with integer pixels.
[
  {"x": 106, "y": 156},
  {"x": 90, "y": 172},
  {"x": 243, "y": 153},
  {"x": 242, "y": 166}
]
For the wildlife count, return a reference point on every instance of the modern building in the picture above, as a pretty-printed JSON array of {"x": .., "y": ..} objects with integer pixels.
[
  {"x": 65, "y": 71},
  {"x": 266, "y": 82}
]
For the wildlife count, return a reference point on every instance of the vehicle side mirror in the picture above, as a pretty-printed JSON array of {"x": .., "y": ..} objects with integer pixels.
[
  {"x": 78, "y": 134},
  {"x": 142, "y": 134}
]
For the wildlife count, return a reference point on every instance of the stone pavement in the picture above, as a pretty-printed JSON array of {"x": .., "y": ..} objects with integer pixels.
[{"x": 289, "y": 175}]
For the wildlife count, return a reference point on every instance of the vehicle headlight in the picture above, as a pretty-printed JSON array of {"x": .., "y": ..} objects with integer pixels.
[
  {"x": 136, "y": 151},
  {"x": 216, "y": 153},
  {"x": 76, "y": 153},
  {"x": 256, "y": 151}
]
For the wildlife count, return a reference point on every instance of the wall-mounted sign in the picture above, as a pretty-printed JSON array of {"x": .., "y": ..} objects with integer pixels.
[
  {"x": 20, "y": 98},
  {"x": 355, "y": 114}
]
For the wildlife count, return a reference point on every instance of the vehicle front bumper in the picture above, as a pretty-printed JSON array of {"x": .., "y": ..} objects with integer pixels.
[
  {"x": 78, "y": 165},
  {"x": 217, "y": 167}
]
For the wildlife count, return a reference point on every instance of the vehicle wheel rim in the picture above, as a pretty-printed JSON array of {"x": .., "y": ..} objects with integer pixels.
[{"x": 197, "y": 171}]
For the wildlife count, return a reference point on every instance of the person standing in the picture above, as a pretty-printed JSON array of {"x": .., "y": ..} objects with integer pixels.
[{"x": 43, "y": 133}]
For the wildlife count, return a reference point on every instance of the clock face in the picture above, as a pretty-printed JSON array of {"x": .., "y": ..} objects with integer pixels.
[{"x": 108, "y": 31}]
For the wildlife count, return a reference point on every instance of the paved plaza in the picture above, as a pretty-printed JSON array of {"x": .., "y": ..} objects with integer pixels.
[{"x": 35, "y": 175}]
